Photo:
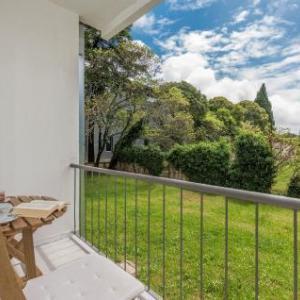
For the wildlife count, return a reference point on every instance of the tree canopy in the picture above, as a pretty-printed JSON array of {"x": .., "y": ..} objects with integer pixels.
[
  {"x": 263, "y": 101},
  {"x": 169, "y": 120},
  {"x": 254, "y": 115},
  {"x": 118, "y": 84}
]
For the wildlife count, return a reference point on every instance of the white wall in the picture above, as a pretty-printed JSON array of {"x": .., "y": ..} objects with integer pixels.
[{"x": 38, "y": 101}]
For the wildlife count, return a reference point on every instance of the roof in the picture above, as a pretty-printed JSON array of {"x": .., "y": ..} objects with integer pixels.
[{"x": 108, "y": 16}]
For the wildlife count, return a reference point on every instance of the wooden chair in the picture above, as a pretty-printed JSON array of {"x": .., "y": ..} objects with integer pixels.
[{"x": 90, "y": 278}]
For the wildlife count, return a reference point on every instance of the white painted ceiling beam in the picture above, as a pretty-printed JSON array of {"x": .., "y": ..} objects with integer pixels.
[{"x": 108, "y": 16}]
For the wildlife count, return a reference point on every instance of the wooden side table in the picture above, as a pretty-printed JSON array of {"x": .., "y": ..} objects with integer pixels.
[{"x": 23, "y": 249}]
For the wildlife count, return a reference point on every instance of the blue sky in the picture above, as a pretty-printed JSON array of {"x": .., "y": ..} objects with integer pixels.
[{"x": 229, "y": 48}]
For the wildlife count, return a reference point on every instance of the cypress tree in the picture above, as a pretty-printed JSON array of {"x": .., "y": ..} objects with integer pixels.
[{"x": 263, "y": 101}]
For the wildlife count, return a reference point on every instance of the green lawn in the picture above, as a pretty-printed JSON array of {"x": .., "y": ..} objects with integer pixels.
[
  {"x": 276, "y": 239},
  {"x": 282, "y": 180}
]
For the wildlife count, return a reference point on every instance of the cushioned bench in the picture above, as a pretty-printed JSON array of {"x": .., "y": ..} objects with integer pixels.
[{"x": 92, "y": 277}]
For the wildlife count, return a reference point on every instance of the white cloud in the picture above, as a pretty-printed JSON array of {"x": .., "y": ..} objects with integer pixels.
[
  {"x": 218, "y": 62},
  {"x": 146, "y": 23},
  {"x": 189, "y": 4},
  {"x": 241, "y": 16},
  {"x": 150, "y": 24},
  {"x": 256, "y": 2},
  {"x": 286, "y": 107},
  {"x": 195, "y": 69},
  {"x": 232, "y": 48}
]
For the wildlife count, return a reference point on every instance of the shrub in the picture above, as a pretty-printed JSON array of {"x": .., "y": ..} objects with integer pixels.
[
  {"x": 254, "y": 164},
  {"x": 149, "y": 157},
  {"x": 294, "y": 186},
  {"x": 206, "y": 162}
]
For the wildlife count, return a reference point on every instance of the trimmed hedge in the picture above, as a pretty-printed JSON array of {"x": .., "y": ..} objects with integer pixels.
[
  {"x": 250, "y": 165},
  {"x": 254, "y": 164},
  {"x": 149, "y": 157},
  {"x": 206, "y": 162},
  {"x": 294, "y": 186}
]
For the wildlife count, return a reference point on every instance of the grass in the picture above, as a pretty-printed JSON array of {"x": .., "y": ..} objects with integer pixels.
[
  {"x": 105, "y": 228},
  {"x": 282, "y": 180}
]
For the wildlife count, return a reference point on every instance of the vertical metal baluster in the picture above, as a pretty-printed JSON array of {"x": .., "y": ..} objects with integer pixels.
[
  {"x": 85, "y": 210},
  {"x": 80, "y": 203},
  {"x": 226, "y": 252},
  {"x": 116, "y": 216},
  {"x": 98, "y": 213},
  {"x": 136, "y": 229},
  {"x": 148, "y": 238},
  {"x": 92, "y": 210},
  {"x": 164, "y": 243},
  {"x": 181, "y": 244},
  {"x": 106, "y": 239},
  {"x": 295, "y": 254},
  {"x": 125, "y": 223},
  {"x": 201, "y": 247},
  {"x": 256, "y": 251},
  {"x": 75, "y": 199}
]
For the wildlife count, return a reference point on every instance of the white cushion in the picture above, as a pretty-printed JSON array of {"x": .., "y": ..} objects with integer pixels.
[{"x": 91, "y": 278}]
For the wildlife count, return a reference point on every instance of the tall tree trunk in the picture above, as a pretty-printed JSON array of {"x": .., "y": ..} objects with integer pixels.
[
  {"x": 91, "y": 143},
  {"x": 115, "y": 158},
  {"x": 100, "y": 149}
]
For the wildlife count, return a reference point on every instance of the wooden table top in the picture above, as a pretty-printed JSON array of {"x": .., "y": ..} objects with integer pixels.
[{"x": 20, "y": 223}]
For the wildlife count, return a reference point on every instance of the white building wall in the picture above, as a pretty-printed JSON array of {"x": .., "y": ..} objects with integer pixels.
[{"x": 39, "y": 101}]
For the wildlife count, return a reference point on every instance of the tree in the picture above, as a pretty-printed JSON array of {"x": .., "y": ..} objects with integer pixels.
[
  {"x": 119, "y": 82},
  {"x": 262, "y": 100},
  {"x": 254, "y": 166},
  {"x": 169, "y": 120},
  {"x": 228, "y": 120},
  {"x": 253, "y": 114},
  {"x": 127, "y": 141},
  {"x": 213, "y": 128},
  {"x": 220, "y": 102},
  {"x": 198, "y": 101},
  {"x": 93, "y": 87},
  {"x": 205, "y": 162},
  {"x": 294, "y": 185}
]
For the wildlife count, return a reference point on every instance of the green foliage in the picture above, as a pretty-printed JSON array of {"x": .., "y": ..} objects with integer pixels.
[
  {"x": 118, "y": 84},
  {"x": 254, "y": 164},
  {"x": 228, "y": 120},
  {"x": 169, "y": 119},
  {"x": 198, "y": 101},
  {"x": 151, "y": 158},
  {"x": 93, "y": 39},
  {"x": 294, "y": 186},
  {"x": 263, "y": 101},
  {"x": 206, "y": 162},
  {"x": 213, "y": 128},
  {"x": 135, "y": 132},
  {"x": 220, "y": 102},
  {"x": 251, "y": 113}
]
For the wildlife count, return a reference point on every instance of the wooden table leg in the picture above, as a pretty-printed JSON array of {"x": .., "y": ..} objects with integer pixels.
[
  {"x": 29, "y": 253},
  {"x": 9, "y": 284}
]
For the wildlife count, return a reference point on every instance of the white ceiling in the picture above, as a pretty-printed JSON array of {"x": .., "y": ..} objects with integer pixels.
[{"x": 109, "y": 16}]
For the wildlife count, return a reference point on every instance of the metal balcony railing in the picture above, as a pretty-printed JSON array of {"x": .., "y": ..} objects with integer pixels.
[{"x": 177, "y": 236}]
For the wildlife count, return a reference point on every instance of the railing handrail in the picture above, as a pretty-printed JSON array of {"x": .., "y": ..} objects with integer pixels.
[{"x": 248, "y": 196}]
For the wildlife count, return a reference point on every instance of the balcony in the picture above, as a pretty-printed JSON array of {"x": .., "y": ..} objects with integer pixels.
[{"x": 185, "y": 240}]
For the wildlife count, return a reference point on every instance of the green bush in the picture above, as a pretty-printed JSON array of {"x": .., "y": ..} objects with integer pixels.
[
  {"x": 254, "y": 164},
  {"x": 149, "y": 157},
  {"x": 206, "y": 162},
  {"x": 294, "y": 186}
]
